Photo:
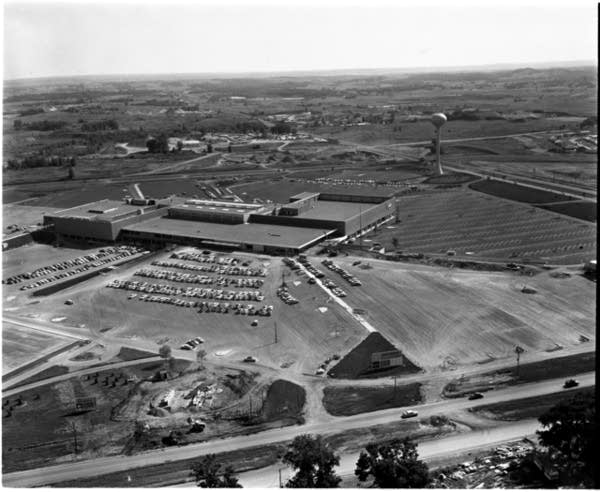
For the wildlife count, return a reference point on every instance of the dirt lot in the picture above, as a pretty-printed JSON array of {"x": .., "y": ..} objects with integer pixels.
[
  {"x": 485, "y": 227},
  {"x": 306, "y": 335},
  {"x": 349, "y": 400},
  {"x": 441, "y": 318}
]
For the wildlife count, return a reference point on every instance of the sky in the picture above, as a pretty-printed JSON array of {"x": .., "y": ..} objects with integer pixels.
[{"x": 86, "y": 38}]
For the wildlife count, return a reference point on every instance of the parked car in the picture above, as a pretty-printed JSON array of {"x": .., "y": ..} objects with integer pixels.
[
  {"x": 571, "y": 383},
  {"x": 185, "y": 347},
  {"x": 408, "y": 414},
  {"x": 250, "y": 359},
  {"x": 475, "y": 396}
]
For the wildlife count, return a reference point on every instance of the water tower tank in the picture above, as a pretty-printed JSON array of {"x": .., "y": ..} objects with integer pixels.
[{"x": 438, "y": 119}]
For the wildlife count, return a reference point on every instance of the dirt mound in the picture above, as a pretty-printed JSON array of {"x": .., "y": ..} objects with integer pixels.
[
  {"x": 357, "y": 363},
  {"x": 284, "y": 399}
]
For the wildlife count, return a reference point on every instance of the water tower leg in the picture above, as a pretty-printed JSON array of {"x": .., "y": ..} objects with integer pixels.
[{"x": 438, "y": 166}]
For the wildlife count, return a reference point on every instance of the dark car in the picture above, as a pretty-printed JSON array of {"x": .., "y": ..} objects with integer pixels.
[
  {"x": 475, "y": 396},
  {"x": 571, "y": 383}
]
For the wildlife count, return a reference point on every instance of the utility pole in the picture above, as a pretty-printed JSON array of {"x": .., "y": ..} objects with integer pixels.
[
  {"x": 518, "y": 350},
  {"x": 395, "y": 387},
  {"x": 74, "y": 427},
  {"x": 360, "y": 225},
  {"x": 280, "y": 481},
  {"x": 275, "y": 325}
]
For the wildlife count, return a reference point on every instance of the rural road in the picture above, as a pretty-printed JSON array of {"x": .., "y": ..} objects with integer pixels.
[
  {"x": 72, "y": 471},
  {"x": 434, "y": 448}
]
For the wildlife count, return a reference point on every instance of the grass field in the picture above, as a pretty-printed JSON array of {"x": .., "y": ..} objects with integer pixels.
[
  {"x": 447, "y": 318},
  {"x": 583, "y": 210},
  {"x": 21, "y": 345},
  {"x": 467, "y": 221},
  {"x": 349, "y": 400},
  {"x": 525, "y": 408},
  {"x": 517, "y": 193},
  {"x": 528, "y": 373}
]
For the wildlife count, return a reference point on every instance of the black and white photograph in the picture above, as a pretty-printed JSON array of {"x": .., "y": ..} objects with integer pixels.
[{"x": 299, "y": 244}]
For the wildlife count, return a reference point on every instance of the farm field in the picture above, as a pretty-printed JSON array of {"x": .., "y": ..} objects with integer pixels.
[
  {"x": 442, "y": 318},
  {"x": 21, "y": 345},
  {"x": 308, "y": 332},
  {"x": 486, "y": 227}
]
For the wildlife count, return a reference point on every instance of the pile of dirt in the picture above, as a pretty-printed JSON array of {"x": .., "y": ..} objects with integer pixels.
[
  {"x": 357, "y": 363},
  {"x": 284, "y": 399}
]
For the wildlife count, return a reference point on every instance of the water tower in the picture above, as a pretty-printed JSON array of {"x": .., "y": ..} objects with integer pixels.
[{"x": 438, "y": 120}]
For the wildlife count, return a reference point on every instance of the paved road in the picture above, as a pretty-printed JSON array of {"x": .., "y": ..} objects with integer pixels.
[
  {"x": 473, "y": 139},
  {"x": 434, "y": 448},
  {"x": 71, "y": 471}
]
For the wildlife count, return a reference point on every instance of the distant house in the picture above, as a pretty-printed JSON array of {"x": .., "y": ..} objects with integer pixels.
[{"x": 543, "y": 462}]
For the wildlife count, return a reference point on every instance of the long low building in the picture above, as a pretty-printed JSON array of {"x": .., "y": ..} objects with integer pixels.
[
  {"x": 261, "y": 238},
  {"x": 277, "y": 229}
]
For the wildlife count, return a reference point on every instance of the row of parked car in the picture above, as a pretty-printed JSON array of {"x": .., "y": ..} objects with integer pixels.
[
  {"x": 242, "y": 271},
  {"x": 209, "y": 257},
  {"x": 311, "y": 269},
  {"x": 96, "y": 259},
  {"x": 284, "y": 294},
  {"x": 225, "y": 307},
  {"x": 175, "y": 276},
  {"x": 331, "y": 285},
  {"x": 70, "y": 273},
  {"x": 346, "y": 275},
  {"x": 219, "y": 294},
  {"x": 192, "y": 344},
  {"x": 207, "y": 307},
  {"x": 252, "y": 283}
]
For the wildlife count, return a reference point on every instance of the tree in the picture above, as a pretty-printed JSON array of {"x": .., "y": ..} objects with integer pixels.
[
  {"x": 179, "y": 145},
  {"x": 71, "y": 172},
  {"x": 165, "y": 351},
  {"x": 208, "y": 474},
  {"x": 395, "y": 242},
  {"x": 395, "y": 464},
  {"x": 17, "y": 125},
  {"x": 569, "y": 436},
  {"x": 200, "y": 355},
  {"x": 314, "y": 461},
  {"x": 209, "y": 148}
]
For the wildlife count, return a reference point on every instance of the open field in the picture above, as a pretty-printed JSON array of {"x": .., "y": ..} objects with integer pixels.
[
  {"x": 486, "y": 227},
  {"x": 447, "y": 318},
  {"x": 20, "y": 345},
  {"x": 306, "y": 335},
  {"x": 349, "y": 400},
  {"x": 525, "y": 408}
]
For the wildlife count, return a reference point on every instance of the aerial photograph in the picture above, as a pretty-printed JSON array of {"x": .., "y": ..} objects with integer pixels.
[{"x": 315, "y": 244}]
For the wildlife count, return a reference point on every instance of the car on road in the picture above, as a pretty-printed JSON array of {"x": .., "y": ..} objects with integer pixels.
[
  {"x": 199, "y": 339},
  {"x": 409, "y": 414},
  {"x": 312, "y": 280},
  {"x": 254, "y": 323},
  {"x": 571, "y": 383},
  {"x": 185, "y": 347},
  {"x": 475, "y": 396},
  {"x": 250, "y": 359}
]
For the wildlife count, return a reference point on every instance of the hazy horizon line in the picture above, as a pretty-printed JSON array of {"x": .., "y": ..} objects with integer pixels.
[{"x": 326, "y": 72}]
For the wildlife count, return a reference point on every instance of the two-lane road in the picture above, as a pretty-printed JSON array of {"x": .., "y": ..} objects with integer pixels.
[{"x": 72, "y": 471}]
